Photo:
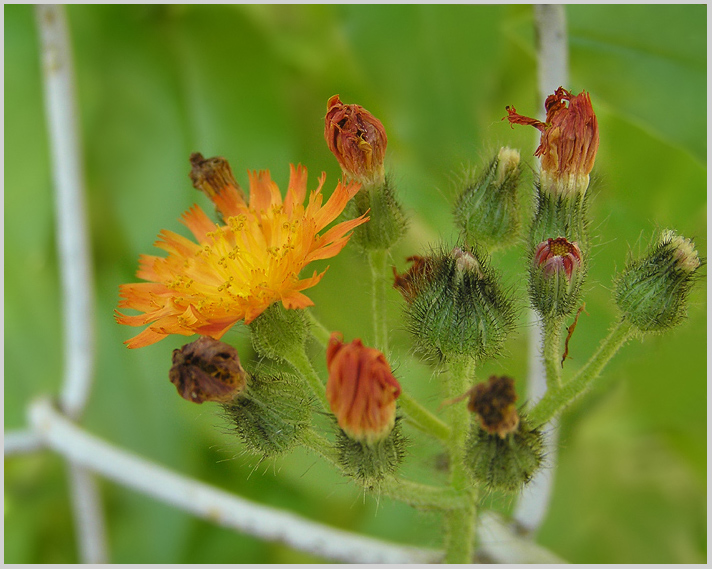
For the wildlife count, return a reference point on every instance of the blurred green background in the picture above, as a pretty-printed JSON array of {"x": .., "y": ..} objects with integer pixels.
[{"x": 250, "y": 83}]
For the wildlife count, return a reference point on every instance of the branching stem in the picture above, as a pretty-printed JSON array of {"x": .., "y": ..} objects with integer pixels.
[{"x": 556, "y": 400}]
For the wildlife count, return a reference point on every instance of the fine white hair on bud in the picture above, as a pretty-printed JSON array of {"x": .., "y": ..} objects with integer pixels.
[
  {"x": 456, "y": 306},
  {"x": 487, "y": 209},
  {"x": 652, "y": 291}
]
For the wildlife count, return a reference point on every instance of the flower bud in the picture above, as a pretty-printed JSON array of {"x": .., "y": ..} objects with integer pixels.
[
  {"x": 652, "y": 291},
  {"x": 358, "y": 140},
  {"x": 361, "y": 389},
  {"x": 569, "y": 141},
  {"x": 455, "y": 305},
  {"x": 270, "y": 415},
  {"x": 487, "y": 210},
  {"x": 503, "y": 452},
  {"x": 207, "y": 370},
  {"x": 493, "y": 403},
  {"x": 555, "y": 277},
  {"x": 278, "y": 332},
  {"x": 387, "y": 219}
]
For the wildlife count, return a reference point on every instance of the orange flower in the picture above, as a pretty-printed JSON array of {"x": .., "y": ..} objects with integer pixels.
[
  {"x": 361, "y": 389},
  {"x": 235, "y": 271},
  {"x": 357, "y": 139},
  {"x": 569, "y": 140}
]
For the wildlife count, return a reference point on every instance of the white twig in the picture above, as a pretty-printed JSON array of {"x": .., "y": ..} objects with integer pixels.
[
  {"x": 88, "y": 519},
  {"x": 497, "y": 542},
  {"x": 21, "y": 442},
  {"x": 72, "y": 235},
  {"x": 553, "y": 73},
  {"x": 212, "y": 503},
  {"x": 74, "y": 260}
]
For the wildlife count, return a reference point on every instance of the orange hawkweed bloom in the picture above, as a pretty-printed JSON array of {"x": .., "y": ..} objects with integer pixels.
[
  {"x": 236, "y": 270},
  {"x": 569, "y": 140},
  {"x": 361, "y": 389}
]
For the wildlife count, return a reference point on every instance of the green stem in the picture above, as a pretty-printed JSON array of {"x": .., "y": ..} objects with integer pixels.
[
  {"x": 552, "y": 352},
  {"x": 318, "y": 331},
  {"x": 421, "y": 495},
  {"x": 322, "y": 446},
  {"x": 300, "y": 362},
  {"x": 422, "y": 418},
  {"x": 556, "y": 400},
  {"x": 377, "y": 259},
  {"x": 460, "y": 523}
]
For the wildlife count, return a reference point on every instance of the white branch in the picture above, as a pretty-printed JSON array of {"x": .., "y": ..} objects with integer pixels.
[
  {"x": 553, "y": 73},
  {"x": 88, "y": 516},
  {"x": 212, "y": 503},
  {"x": 72, "y": 236},
  {"x": 498, "y": 543},
  {"x": 21, "y": 442},
  {"x": 74, "y": 260}
]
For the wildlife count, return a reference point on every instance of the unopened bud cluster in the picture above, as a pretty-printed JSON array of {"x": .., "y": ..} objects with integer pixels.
[
  {"x": 652, "y": 291},
  {"x": 558, "y": 237}
]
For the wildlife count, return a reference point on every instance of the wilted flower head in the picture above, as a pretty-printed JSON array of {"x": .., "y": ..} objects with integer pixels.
[
  {"x": 357, "y": 139},
  {"x": 207, "y": 370},
  {"x": 236, "y": 270},
  {"x": 493, "y": 402},
  {"x": 569, "y": 140},
  {"x": 408, "y": 282},
  {"x": 361, "y": 389},
  {"x": 555, "y": 255}
]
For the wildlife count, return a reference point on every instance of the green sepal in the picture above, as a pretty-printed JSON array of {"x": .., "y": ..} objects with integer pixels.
[
  {"x": 652, "y": 291},
  {"x": 459, "y": 309},
  {"x": 487, "y": 211},
  {"x": 387, "y": 223},
  {"x": 278, "y": 332},
  {"x": 271, "y": 413},
  {"x": 370, "y": 463},
  {"x": 506, "y": 464}
]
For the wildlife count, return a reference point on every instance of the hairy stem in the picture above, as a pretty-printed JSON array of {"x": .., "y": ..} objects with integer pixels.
[
  {"x": 301, "y": 363},
  {"x": 423, "y": 419},
  {"x": 318, "y": 331},
  {"x": 459, "y": 523},
  {"x": 377, "y": 260},
  {"x": 557, "y": 399},
  {"x": 552, "y": 352}
]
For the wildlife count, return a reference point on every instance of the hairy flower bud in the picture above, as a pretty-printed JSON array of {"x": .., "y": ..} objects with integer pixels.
[
  {"x": 487, "y": 210},
  {"x": 358, "y": 140},
  {"x": 455, "y": 305},
  {"x": 555, "y": 277},
  {"x": 270, "y": 415},
  {"x": 362, "y": 394},
  {"x": 493, "y": 402},
  {"x": 504, "y": 461},
  {"x": 207, "y": 370},
  {"x": 569, "y": 141},
  {"x": 652, "y": 291},
  {"x": 361, "y": 389},
  {"x": 278, "y": 332}
]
